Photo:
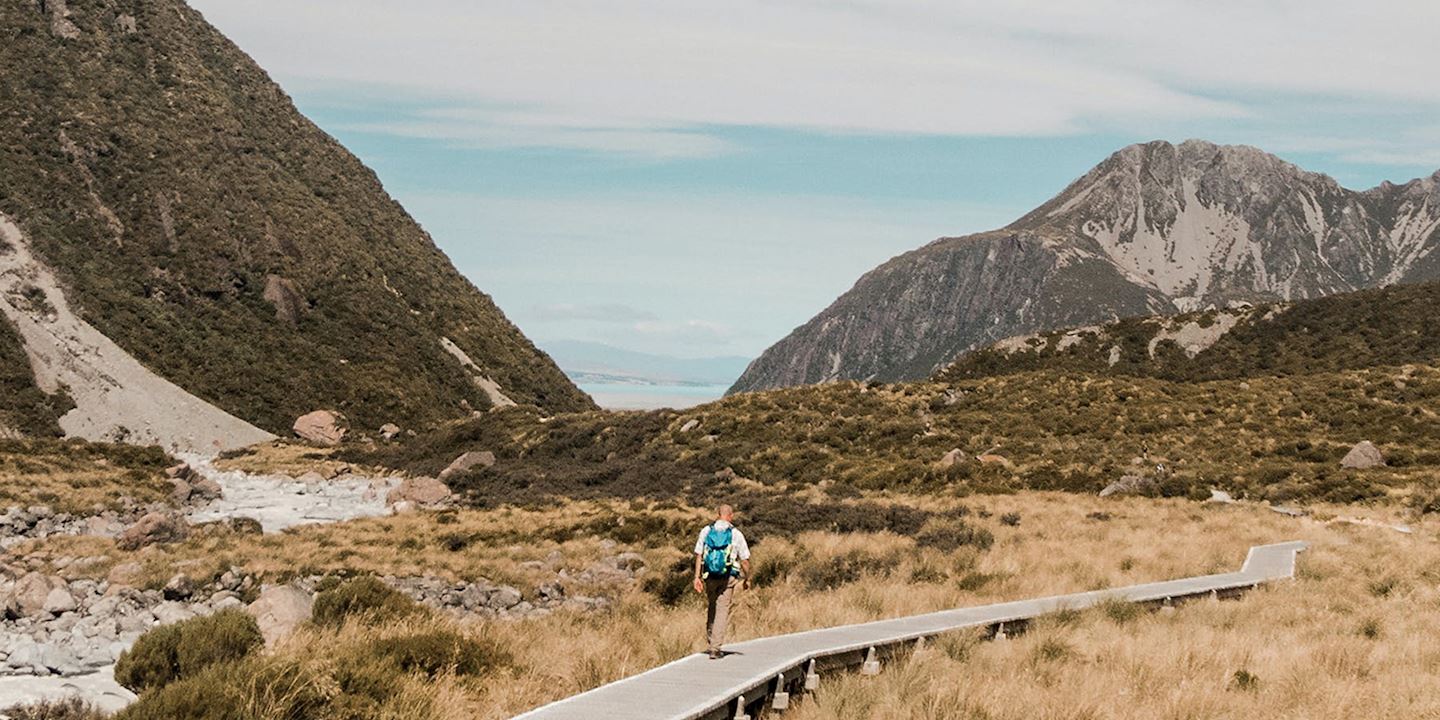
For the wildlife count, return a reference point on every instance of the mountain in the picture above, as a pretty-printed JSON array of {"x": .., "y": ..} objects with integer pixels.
[
  {"x": 1393, "y": 326},
  {"x": 601, "y": 363},
  {"x": 1154, "y": 229},
  {"x": 189, "y": 261}
]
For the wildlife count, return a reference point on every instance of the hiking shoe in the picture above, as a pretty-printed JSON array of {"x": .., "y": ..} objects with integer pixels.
[{"x": 716, "y": 654}]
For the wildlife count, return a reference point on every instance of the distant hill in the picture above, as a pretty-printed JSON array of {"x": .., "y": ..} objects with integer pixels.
[
  {"x": 1370, "y": 328},
  {"x": 601, "y": 363},
  {"x": 1155, "y": 229},
  {"x": 210, "y": 263}
]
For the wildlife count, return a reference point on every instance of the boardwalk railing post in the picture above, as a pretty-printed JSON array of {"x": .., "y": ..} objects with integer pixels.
[
  {"x": 872, "y": 663},
  {"x": 1000, "y": 631},
  {"x": 781, "y": 699},
  {"x": 812, "y": 678},
  {"x": 740, "y": 708}
]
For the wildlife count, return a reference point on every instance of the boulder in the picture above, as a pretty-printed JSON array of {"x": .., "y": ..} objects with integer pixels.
[
  {"x": 1363, "y": 457},
  {"x": 31, "y": 594},
  {"x": 180, "y": 587},
  {"x": 995, "y": 460},
  {"x": 203, "y": 488},
  {"x": 1221, "y": 497},
  {"x": 504, "y": 598},
  {"x": 126, "y": 575},
  {"x": 629, "y": 562},
  {"x": 322, "y": 427},
  {"x": 152, "y": 529},
  {"x": 279, "y": 610},
  {"x": 59, "y": 600},
  {"x": 419, "y": 491},
  {"x": 473, "y": 459},
  {"x": 389, "y": 431},
  {"x": 689, "y": 425},
  {"x": 183, "y": 471},
  {"x": 171, "y": 612},
  {"x": 953, "y": 458},
  {"x": 1129, "y": 485}
]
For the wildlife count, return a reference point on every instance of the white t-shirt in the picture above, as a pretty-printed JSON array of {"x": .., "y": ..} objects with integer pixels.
[{"x": 737, "y": 540}]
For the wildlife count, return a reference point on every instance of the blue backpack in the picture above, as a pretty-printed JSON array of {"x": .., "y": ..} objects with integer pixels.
[{"x": 717, "y": 551}]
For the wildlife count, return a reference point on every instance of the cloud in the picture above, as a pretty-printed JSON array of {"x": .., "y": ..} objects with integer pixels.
[
  {"x": 640, "y": 76},
  {"x": 603, "y": 313},
  {"x": 686, "y": 331}
]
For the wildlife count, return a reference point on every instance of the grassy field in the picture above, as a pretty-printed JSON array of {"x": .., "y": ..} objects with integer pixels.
[
  {"x": 78, "y": 477},
  {"x": 1350, "y": 637}
]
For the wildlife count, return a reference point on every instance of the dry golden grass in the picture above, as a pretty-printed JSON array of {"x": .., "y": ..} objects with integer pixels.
[
  {"x": 79, "y": 477},
  {"x": 1352, "y": 636}
]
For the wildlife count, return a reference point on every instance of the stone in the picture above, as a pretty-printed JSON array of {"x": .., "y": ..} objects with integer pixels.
[
  {"x": 284, "y": 294},
  {"x": 690, "y": 425},
  {"x": 725, "y": 475},
  {"x": 504, "y": 598},
  {"x": 630, "y": 562},
  {"x": 183, "y": 471},
  {"x": 124, "y": 575},
  {"x": 179, "y": 587},
  {"x": 279, "y": 610},
  {"x": 1363, "y": 456},
  {"x": 171, "y": 612},
  {"x": 323, "y": 427},
  {"x": 1221, "y": 497},
  {"x": 1128, "y": 485},
  {"x": 59, "y": 600},
  {"x": 995, "y": 460},
  {"x": 389, "y": 431},
  {"x": 203, "y": 488},
  {"x": 468, "y": 461},
  {"x": 953, "y": 458},
  {"x": 419, "y": 491},
  {"x": 404, "y": 507},
  {"x": 179, "y": 491},
  {"x": 31, "y": 593},
  {"x": 151, "y": 529},
  {"x": 551, "y": 591},
  {"x": 60, "y": 661}
]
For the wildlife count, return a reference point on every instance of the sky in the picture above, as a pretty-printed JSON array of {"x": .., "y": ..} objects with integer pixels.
[{"x": 699, "y": 178}]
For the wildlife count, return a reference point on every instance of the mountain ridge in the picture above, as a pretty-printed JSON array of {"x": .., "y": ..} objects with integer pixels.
[{"x": 1155, "y": 228}]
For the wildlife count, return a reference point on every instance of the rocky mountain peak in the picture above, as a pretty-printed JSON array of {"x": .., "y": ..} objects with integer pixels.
[{"x": 1156, "y": 227}]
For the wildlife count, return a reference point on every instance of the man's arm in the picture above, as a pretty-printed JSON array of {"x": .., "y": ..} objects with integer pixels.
[
  {"x": 745, "y": 571},
  {"x": 699, "y": 584}
]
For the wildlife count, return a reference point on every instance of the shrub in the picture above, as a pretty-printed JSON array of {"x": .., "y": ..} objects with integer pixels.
[
  {"x": 174, "y": 652},
  {"x": 67, "y": 709},
  {"x": 953, "y": 535},
  {"x": 362, "y": 597},
  {"x": 1244, "y": 681},
  {"x": 245, "y": 690},
  {"x": 376, "y": 670},
  {"x": 1120, "y": 611},
  {"x": 842, "y": 569}
]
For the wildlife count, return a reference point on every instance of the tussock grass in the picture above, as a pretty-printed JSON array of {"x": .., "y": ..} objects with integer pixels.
[{"x": 77, "y": 476}]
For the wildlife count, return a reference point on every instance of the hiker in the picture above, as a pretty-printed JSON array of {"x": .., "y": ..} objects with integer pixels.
[{"x": 722, "y": 563}]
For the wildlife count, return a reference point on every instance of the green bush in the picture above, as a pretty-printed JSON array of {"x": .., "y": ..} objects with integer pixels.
[
  {"x": 174, "y": 652},
  {"x": 67, "y": 709},
  {"x": 250, "y": 689},
  {"x": 362, "y": 597},
  {"x": 375, "y": 672},
  {"x": 953, "y": 535}
]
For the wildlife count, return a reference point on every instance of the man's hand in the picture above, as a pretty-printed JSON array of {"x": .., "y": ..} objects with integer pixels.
[
  {"x": 745, "y": 584},
  {"x": 699, "y": 585}
]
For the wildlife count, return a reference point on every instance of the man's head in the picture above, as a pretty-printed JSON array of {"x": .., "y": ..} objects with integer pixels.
[{"x": 726, "y": 513}]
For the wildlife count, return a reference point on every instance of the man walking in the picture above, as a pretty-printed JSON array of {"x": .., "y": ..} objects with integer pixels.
[{"x": 722, "y": 563}]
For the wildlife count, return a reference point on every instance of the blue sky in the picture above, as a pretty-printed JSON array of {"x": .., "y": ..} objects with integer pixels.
[{"x": 699, "y": 178}]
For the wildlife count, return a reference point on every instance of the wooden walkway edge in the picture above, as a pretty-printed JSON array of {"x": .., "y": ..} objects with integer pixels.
[{"x": 765, "y": 671}]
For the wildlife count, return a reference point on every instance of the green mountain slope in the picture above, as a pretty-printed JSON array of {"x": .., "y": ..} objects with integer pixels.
[{"x": 199, "y": 221}]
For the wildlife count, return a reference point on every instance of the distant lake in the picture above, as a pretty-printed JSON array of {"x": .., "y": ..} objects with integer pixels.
[{"x": 620, "y": 396}]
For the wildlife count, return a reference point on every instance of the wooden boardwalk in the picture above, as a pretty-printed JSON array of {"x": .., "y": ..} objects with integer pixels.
[{"x": 764, "y": 672}]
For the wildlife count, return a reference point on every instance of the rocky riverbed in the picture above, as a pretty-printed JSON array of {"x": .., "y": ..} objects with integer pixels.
[{"x": 61, "y": 630}]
